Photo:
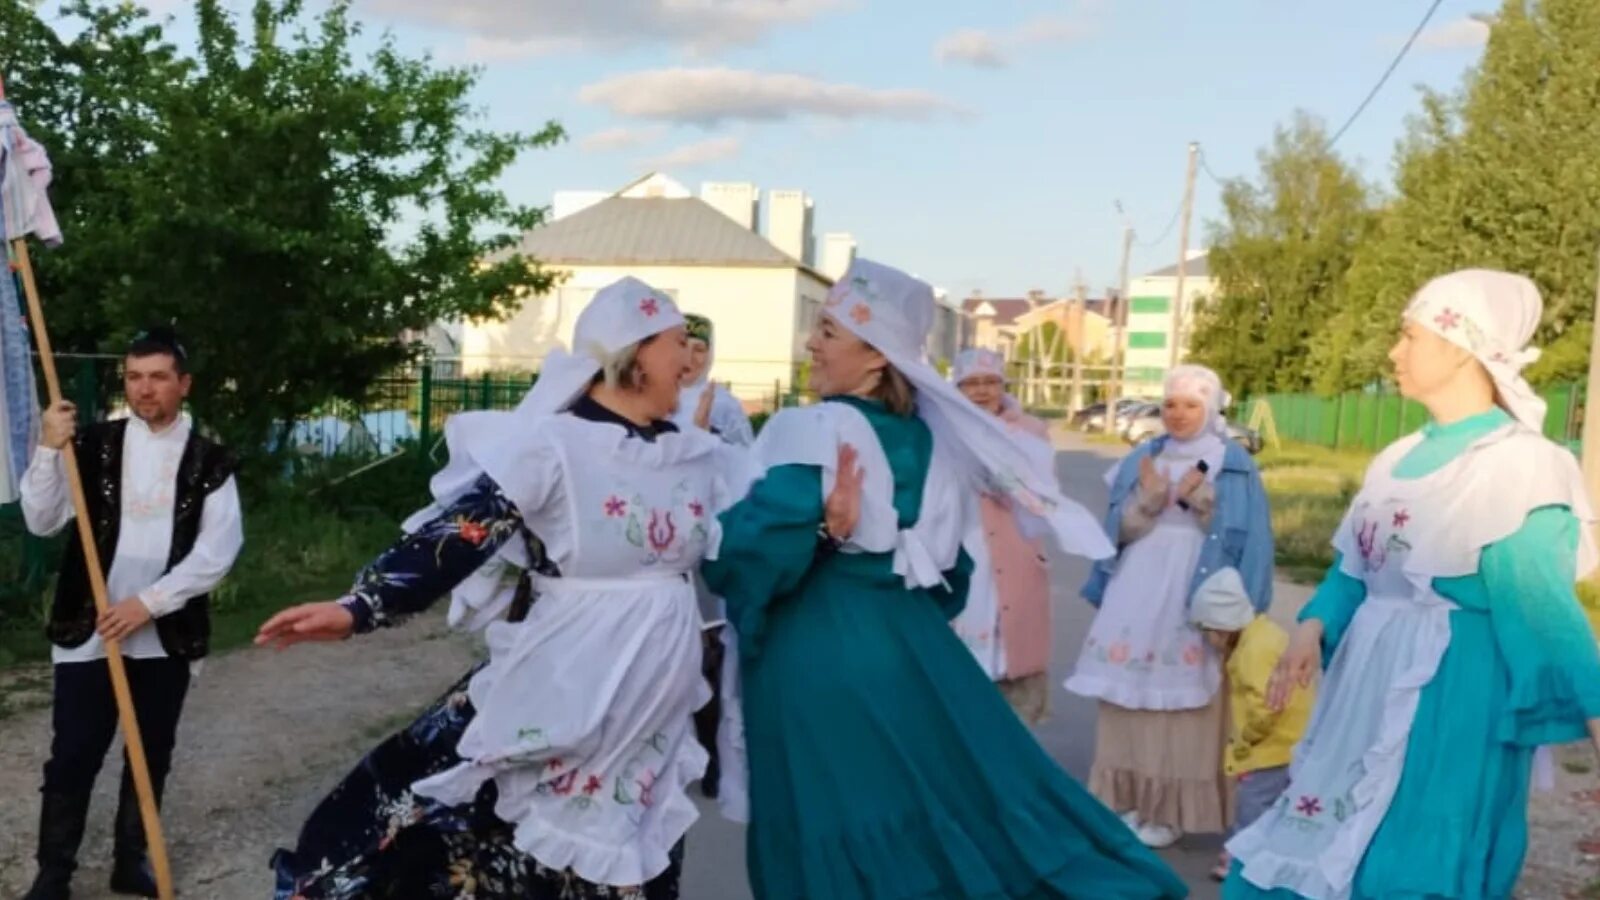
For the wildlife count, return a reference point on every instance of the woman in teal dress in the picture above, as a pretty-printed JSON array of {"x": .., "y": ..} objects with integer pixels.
[
  {"x": 1454, "y": 642},
  {"x": 883, "y": 763}
]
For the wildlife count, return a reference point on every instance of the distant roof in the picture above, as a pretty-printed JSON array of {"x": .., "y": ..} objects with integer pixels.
[
  {"x": 1198, "y": 266},
  {"x": 652, "y": 231},
  {"x": 1006, "y": 309}
]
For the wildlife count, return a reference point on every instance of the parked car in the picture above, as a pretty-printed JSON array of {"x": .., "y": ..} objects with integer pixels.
[
  {"x": 1147, "y": 424},
  {"x": 1093, "y": 416}
]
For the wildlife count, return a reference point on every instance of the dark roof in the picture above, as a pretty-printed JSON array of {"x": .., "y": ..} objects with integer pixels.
[
  {"x": 1199, "y": 267},
  {"x": 652, "y": 231}
]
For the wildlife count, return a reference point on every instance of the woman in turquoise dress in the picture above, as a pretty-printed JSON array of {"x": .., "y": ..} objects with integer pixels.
[
  {"x": 883, "y": 763},
  {"x": 1454, "y": 643}
]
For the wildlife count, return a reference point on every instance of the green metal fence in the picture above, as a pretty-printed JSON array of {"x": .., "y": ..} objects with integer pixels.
[{"x": 1370, "y": 420}]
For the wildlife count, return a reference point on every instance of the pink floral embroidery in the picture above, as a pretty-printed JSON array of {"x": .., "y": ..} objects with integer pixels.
[
  {"x": 1192, "y": 655},
  {"x": 647, "y": 788},
  {"x": 649, "y": 306},
  {"x": 563, "y": 786},
  {"x": 1447, "y": 319},
  {"x": 861, "y": 313},
  {"x": 592, "y": 786},
  {"x": 662, "y": 531},
  {"x": 1119, "y": 653},
  {"x": 697, "y": 508},
  {"x": 1401, "y": 517},
  {"x": 616, "y": 507},
  {"x": 554, "y": 764},
  {"x": 1310, "y": 807}
]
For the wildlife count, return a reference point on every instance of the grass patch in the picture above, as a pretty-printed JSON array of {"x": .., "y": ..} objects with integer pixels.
[
  {"x": 1310, "y": 488},
  {"x": 302, "y": 543}
]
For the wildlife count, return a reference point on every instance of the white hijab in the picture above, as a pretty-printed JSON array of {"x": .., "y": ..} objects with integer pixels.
[
  {"x": 893, "y": 312},
  {"x": 1211, "y": 443},
  {"x": 1491, "y": 315}
]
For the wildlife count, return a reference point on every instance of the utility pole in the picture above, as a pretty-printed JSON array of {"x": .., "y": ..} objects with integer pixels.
[
  {"x": 1081, "y": 295},
  {"x": 1119, "y": 324},
  {"x": 1183, "y": 251},
  {"x": 1591, "y": 414}
]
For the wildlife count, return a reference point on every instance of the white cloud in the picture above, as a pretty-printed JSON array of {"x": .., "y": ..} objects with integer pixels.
[
  {"x": 707, "y": 96},
  {"x": 1457, "y": 35},
  {"x": 697, "y": 154},
  {"x": 541, "y": 25},
  {"x": 620, "y": 139},
  {"x": 994, "y": 49},
  {"x": 972, "y": 47}
]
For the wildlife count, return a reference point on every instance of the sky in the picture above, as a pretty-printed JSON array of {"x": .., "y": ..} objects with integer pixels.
[{"x": 980, "y": 144}]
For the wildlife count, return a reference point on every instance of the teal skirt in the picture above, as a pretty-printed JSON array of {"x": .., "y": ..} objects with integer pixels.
[{"x": 885, "y": 765}]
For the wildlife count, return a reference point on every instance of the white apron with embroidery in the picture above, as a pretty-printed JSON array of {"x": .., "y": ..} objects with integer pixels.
[
  {"x": 1398, "y": 536},
  {"x": 1141, "y": 652},
  {"x": 583, "y": 711}
]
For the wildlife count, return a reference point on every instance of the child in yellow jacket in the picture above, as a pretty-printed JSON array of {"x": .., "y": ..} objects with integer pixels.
[{"x": 1260, "y": 740}]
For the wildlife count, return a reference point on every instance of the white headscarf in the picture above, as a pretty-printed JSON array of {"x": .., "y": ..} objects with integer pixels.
[
  {"x": 1211, "y": 444},
  {"x": 621, "y": 314},
  {"x": 893, "y": 312},
  {"x": 1491, "y": 315},
  {"x": 978, "y": 361}
]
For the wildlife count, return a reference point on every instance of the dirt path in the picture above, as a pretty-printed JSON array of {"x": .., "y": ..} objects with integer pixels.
[{"x": 264, "y": 736}]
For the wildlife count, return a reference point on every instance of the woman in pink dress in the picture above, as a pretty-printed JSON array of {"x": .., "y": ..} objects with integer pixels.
[{"x": 1006, "y": 622}]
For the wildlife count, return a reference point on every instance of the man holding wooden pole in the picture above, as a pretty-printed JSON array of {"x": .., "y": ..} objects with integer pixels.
[{"x": 165, "y": 514}]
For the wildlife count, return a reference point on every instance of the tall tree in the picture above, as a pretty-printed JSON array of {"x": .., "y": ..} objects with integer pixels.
[
  {"x": 1279, "y": 258},
  {"x": 1505, "y": 173},
  {"x": 293, "y": 210}
]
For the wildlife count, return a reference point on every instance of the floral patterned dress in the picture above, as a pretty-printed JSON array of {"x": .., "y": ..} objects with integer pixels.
[{"x": 373, "y": 836}]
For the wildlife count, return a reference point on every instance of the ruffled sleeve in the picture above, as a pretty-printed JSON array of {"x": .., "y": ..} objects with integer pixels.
[
  {"x": 1334, "y": 605},
  {"x": 1543, "y": 636},
  {"x": 769, "y": 540}
]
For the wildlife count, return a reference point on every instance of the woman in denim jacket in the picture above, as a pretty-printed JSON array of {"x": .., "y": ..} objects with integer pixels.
[{"x": 1186, "y": 509}]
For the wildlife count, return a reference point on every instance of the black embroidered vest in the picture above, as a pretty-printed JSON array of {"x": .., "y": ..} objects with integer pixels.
[{"x": 205, "y": 466}]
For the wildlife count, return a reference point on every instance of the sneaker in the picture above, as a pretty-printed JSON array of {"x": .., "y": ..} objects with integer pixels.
[
  {"x": 1158, "y": 837},
  {"x": 1130, "y": 819}
]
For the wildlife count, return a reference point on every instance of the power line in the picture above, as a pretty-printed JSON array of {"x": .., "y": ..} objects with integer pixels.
[
  {"x": 1206, "y": 168},
  {"x": 1165, "y": 231},
  {"x": 1404, "y": 49}
]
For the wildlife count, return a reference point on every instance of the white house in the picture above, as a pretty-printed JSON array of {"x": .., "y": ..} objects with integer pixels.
[
  {"x": 762, "y": 291},
  {"x": 1147, "y": 343}
]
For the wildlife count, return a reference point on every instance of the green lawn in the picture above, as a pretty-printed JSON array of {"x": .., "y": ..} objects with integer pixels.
[{"x": 1310, "y": 487}]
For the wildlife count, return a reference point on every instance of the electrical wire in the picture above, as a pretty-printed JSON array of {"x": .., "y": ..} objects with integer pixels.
[{"x": 1404, "y": 49}]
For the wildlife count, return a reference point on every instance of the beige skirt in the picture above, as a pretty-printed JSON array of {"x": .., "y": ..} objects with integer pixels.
[
  {"x": 1029, "y": 696},
  {"x": 1165, "y": 766}
]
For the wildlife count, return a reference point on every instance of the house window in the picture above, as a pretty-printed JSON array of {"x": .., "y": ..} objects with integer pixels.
[
  {"x": 1147, "y": 340},
  {"x": 1156, "y": 305}
]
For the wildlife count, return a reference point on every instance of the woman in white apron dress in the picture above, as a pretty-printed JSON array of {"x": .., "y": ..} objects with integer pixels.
[
  {"x": 1186, "y": 508},
  {"x": 559, "y": 769},
  {"x": 1454, "y": 643}
]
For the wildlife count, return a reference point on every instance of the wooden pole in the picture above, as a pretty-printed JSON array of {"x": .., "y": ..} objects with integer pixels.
[
  {"x": 1183, "y": 253},
  {"x": 137, "y": 764},
  {"x": 1119, "y": 321}
]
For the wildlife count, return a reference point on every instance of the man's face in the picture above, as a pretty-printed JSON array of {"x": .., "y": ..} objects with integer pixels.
[{"x": 154, "y": 388}]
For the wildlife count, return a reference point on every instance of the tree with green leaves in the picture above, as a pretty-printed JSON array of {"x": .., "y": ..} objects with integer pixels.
[
  {"x": 1504, "y": 173},
  {"x": 294, "y": 211},
  {"x": 1279, "y": 258}
]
